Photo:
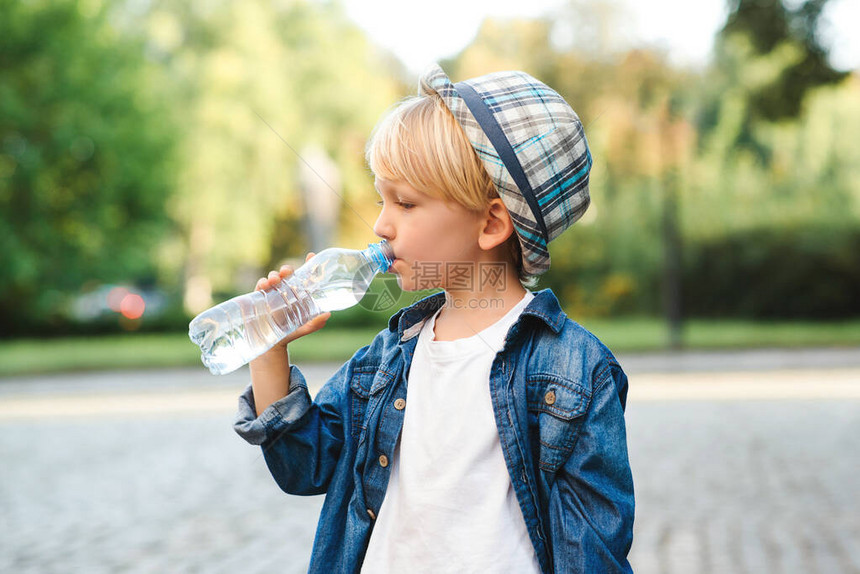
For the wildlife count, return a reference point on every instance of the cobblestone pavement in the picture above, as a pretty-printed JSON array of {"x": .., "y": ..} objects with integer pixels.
[{"x": 141, "y": 472}]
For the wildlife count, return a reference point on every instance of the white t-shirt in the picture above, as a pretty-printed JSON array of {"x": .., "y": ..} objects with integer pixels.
[{"x": 450, "y": 505}]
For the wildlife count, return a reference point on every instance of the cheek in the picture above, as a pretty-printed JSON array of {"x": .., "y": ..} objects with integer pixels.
[{"x": 437, "y": 236}]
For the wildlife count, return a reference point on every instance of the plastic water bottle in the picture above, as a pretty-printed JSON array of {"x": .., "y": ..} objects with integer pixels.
[{"x": 243, "y": 328}]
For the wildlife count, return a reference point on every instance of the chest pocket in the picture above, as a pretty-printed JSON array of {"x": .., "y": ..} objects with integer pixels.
[
  {"x": 365, "y": 382},
  {"x": 556, "y": 408}
]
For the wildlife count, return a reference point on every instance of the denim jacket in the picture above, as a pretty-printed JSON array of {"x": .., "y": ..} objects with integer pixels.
[{"x": 558, "y": 397}]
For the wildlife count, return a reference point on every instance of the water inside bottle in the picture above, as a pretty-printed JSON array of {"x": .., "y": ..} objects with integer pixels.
[
  {"x": 231, "y": 335},
  {"x": 237, "y": 331}
]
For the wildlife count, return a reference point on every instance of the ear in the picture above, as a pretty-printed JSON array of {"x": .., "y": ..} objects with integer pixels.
[{"x": 496, "y": 225}]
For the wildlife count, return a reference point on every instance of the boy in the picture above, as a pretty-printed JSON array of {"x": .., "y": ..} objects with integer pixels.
[{"x": 507, "y": 453}]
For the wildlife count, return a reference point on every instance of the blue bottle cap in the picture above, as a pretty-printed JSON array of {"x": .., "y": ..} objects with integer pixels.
[{"x": 381, "y": 255}]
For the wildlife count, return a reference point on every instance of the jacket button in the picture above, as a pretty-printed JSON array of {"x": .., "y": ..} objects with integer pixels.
[
  {"x": 400, "y": 404},
  {"x": 371, "y": 514},
  {"x": 383, "y": 460},
  {"x": 549, "y": 397}
]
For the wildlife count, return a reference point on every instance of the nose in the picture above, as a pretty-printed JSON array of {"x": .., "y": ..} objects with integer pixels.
[{"x": 383, "y": 227}]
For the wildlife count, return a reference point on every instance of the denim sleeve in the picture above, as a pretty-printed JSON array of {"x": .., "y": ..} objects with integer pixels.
[
  {"x": 253, "y": 428},
  {"x": 301, "y": 439},
  {"x": 591, "y": 505}
]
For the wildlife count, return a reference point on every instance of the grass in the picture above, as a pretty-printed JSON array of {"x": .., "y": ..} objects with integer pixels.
[
  {"x": 649, "y": 334},
  {"x": 30, "y": 356}
]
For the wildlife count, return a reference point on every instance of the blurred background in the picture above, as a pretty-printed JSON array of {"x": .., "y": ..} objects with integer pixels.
[{"x": 158, "y": 157}]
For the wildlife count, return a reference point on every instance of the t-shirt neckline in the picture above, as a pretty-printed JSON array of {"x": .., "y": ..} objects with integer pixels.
[{"x": 491, "y": 338}]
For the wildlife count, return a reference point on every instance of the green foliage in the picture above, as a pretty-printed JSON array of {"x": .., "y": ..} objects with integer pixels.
[
  {"x": 811, "y": 177},
  {"x": 257, "y": 83},
  {"x": 85, "y": 148},
  {"x": 161, "y": 143},
  {"x": 796, "y": 273},
  {"x": 771, "y": 28},
  {"x": 768, "y": 59}
]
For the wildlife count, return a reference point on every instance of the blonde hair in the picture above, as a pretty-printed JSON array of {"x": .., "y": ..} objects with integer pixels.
[{"x": 420, "y": 142}]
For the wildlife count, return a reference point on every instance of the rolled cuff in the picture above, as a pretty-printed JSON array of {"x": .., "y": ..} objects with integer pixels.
[{"x": 279, "y": 415}]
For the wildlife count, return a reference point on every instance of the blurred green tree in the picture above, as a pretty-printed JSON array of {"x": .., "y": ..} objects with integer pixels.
[
  {"x": 788, "y": 35},
  {"x": 773, "y": 170},
  {"x": 85, "y": 152},
  {"x": 257, "y": 84},
  {"x": 763, "y": 140},
  {"x": 768, "y": 56}
]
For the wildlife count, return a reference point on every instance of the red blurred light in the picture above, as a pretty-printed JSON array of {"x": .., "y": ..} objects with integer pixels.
[{"x": 132, "y": 306}]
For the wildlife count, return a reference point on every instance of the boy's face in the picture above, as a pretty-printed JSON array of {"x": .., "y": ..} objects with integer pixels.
[{"x": 433, "y": 240}]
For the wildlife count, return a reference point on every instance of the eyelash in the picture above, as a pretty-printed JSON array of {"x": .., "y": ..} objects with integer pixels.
[{"x": 405, "y": 205}]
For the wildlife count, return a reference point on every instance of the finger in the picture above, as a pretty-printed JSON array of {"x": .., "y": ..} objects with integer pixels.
[
  {"x": 313, "y": 325},
  {"x": 261, "y": 284},
  {"x": 286, "y": 270},
  {"x": 309, "y": 255},
  {"x": 321, "y": 319},
  {"x": 319, "y": 322}
]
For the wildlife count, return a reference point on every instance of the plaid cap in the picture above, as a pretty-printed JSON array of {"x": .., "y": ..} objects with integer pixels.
[{"x": 532, "y": 144}]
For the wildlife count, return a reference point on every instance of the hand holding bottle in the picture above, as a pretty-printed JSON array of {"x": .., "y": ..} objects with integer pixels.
[
  {"x": 270, "y": 372},
  {"x": 275, "y": 277},
  {"x": 284, "y": 305}
]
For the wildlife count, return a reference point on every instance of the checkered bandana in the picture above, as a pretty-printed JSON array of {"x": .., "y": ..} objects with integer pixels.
[{"x": 532, "y": 144}]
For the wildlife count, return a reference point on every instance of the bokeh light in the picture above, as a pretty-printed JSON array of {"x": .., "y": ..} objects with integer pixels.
[
  {"x": 115, "y": 298},
  {"x": 132, "y": 306}
]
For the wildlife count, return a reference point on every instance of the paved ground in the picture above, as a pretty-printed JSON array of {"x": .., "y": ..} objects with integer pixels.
[{"x": 743, "y": 463}]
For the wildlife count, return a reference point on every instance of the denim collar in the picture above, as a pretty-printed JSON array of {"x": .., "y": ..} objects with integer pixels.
[{"x": 408, "y": 321}]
